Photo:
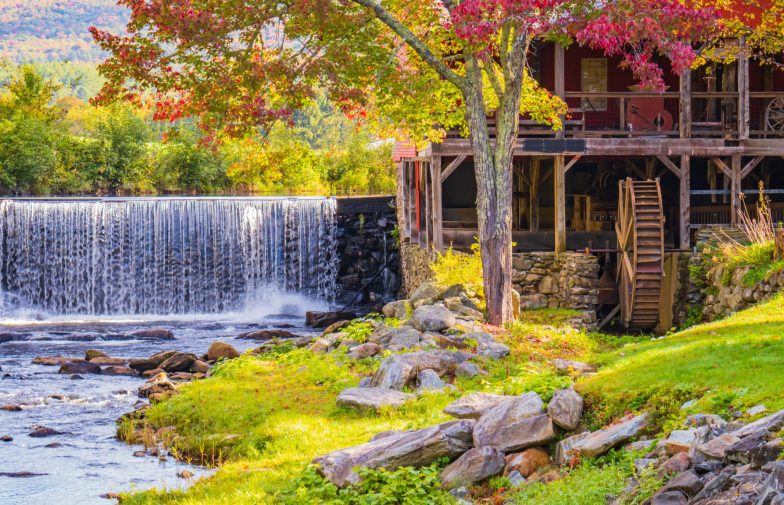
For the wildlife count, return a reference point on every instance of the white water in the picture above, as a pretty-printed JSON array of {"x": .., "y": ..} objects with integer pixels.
[{"x": 170, "y": 257}]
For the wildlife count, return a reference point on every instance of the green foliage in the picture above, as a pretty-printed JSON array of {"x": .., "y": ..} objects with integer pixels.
[
  {"x": 455, "y": 267},
  {"x": 403, "y": 486},
  {"x": 543, "y": 383},
  {"x": 693, "y": 316},
  {"x": 358, "y": 330},
  {"x": 757, "y": 257}
]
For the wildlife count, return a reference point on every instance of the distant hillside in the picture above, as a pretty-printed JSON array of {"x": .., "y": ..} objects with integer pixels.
[{"x": 55, "y": 30}]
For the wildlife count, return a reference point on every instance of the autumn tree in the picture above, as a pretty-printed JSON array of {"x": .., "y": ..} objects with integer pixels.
[{"x": 418, "y": 66}]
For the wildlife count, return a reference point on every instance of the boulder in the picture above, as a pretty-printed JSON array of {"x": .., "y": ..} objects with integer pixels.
[
  {"x": 687, "y": 482},
  {"x": 764, "y": 454},
  {"x": 528, "y": 462},
  {"x": 740, "y": 451},
  {"x": 43, "y": 431},
  {"x": 472, "y": 406},
  {"x": 366, "y": 350},
  {"x": 455, "y": 304},
  {"x": 335, "y": 327},
  {"x": 494, "y": 350},
  {"x": 409, "y": 448},
  {"x": 473, "y": 466},
  {"x": 262, "y": 335},
  {"x": 79, "y": 367},
  {"x": 154, "y": 334},
  {"x": 565, "y": 366},
  {"x": 400, "y": 370},
  {"x": 680, "y": 441},
  {"x": 433, "y": 318},
  {"x": 142, "y": 365},
  {"x": 93, "y": 353},
  {"x": 455, "y": 290},
  {"x": 515, "y": 425},
  {"x": 516, "y": 303},
  {"x": 716, "y": 484},
  {"x": 221, "y": 350},
  {"x": 178, "y": 362},
  {"x": 106, "y": 360},
  {"x": 372, "y": 398},
  {"x": 773, "y": 422},
  {"x": 773, "y": 486},
  {"x": 53, "y": 360},
  {"x": 429, "y": 380},
  {"x": 156, "y": 385},
  {"x": 11, "y": 407},
  {"x": 398, "y": 309},
  {"x": 403, "y": 338},
  {"x": 199, "y": 366},
  {"x": 715, "y": 449},
  {"x": 160, "y": 357},
  {"x": 119, "y": 370},
  {"x": 601, "y": 441},
  {"x": 676, "y": 464},
  {"x": 324, "y": 319},
  {"x": 670, "y": 498},
  {"x": 425, "y": 291},
  {"x": 467, "y": 370},
  {"x": 565, "y": 408}
]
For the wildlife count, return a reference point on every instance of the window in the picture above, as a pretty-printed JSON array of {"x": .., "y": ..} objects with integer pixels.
[{"x": 593, "y": 78}]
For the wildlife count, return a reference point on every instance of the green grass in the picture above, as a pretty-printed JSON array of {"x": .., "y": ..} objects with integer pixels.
[{"x": 728, "y": 364}]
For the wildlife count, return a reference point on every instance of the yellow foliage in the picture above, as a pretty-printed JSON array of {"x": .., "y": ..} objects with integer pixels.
[{"x": 455, "y": 267}]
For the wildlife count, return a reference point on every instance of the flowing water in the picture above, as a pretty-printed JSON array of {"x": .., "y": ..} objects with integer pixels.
[{"x": 78, "y": 275}]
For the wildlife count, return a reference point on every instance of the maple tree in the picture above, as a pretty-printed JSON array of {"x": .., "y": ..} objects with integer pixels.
[{"x": 416, "y": 66}]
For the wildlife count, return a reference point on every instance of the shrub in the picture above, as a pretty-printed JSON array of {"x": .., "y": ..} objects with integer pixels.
[{"x": 455, "y": 267}]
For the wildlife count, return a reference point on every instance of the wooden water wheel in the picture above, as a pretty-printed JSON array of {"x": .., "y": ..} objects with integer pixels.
[
  {"x": 774, "y": 115},
  {"x": 640, "y": 231}
]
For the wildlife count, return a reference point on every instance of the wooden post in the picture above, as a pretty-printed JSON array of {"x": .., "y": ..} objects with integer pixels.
[
  {"x": 560, "y": 83},
  {"x": 559, "y": 196},
  {"x": 735, "y": 189},
  {"x": 743, "y": 91},
  {"x": 685, "y": 105},
  {"x": 437, "y": 208},
  {"x": 533, "y": 195},
  {"x": 685, "y": 202}
]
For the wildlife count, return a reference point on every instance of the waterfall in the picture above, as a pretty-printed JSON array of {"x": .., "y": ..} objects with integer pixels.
[{"x": 164, "y": 256}]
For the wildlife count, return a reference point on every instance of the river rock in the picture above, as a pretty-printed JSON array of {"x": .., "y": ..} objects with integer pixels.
[
  {"x": 119, "y": 370},
  {"x": 398, "y": 309},
  {"x": 601, "y": 441},
  {"x": 400, "y": 370},
  {"x": 669, "y": 498},
  {"x": 154, "y": 334},
  {"x": 5, "y": 337},
  {"x": 715, "y": 449},
  {"x": 79, "y": 367},
  {"x": 6, "y": 438},
  {"x": 178, "y": 362},
  {"x": 53, "y": 360},
  {"x": 142, "y": 365},
  {"x": 404, "y": 338},
  {"x": 324, "y": 319},
  {"x": 156, "y": 385},
  {"x": 473, "y": 466},
  {"x": 262, "y": 335},
  {"x": 528, "y": 462},
  {"x": 199, "y": 366},
  {"x": 565, "y": 408},
  {"x": 425, "y": 291},
  {"x": 473, "y": 405},
  {"x": 372, "y": 398},
  {"x": 106, "y": 360},
  {"x": 433, "y": 318},
  {"x": 467, "y": 370},
  {"x": 221, "y": 350},
  {"x": 365, "y": 350},
  {"x": 43, "y": 431},
  {"x": 515, "y": 424},
  {"x": 94, "y": 353},
  {"x": 335, "y": 327},
  {"x": 11, "y": 407},
  {"x": 409, "y": 448}
]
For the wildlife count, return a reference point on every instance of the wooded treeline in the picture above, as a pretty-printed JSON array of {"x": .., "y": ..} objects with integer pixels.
[{"x": 65, "y": 146}]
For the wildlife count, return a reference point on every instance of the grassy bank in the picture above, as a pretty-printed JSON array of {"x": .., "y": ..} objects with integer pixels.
[{"x": 265, "y": 418}]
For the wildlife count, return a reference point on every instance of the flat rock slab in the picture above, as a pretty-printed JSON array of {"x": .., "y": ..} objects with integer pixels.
[
  {"x": 263, "y": 335},
  {"x": 472, "y": 406},
  {"x": 515, "y": 425},
  {"x": 601, "y": 441},
  {"x": 474, "y": 466},
  {"x": 773, "y": 422},
  {"x": 372, "y": 398},
  {"x": 716, "y": 448},
  {"x": 409, "y": 448},
  {"x": 154, "y": 334}
]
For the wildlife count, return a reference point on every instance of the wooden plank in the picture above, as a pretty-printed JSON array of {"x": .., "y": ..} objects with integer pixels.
[
  {"x": 743, "y": 91},
  {"x": 452, "y": 167},
  {"x": 684, "y": 124},
  {"x": 437, "y": 212},
  {"x": 735, "y": 188},
  {"x": 533, "y": 195},
  {"x": 751, "y": 165},
  {"x": 670, "y": 165},
  {"x": 723, "y": 167},
  {"x": 572, "y": 162},
  {"x": 559, "y": 187},
  {"x": 685, "y": 202},
  {"x": 634, "y": 168}
]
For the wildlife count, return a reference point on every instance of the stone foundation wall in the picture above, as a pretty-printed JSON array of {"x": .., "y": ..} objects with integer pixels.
[
  {"x": 415, "y": 268},
  {"x": 566, "y": 281},
  {"x": 366, "y": 242}
]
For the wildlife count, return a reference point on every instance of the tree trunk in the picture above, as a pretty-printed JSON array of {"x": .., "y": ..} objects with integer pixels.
[{"x": 493, "y": 167}]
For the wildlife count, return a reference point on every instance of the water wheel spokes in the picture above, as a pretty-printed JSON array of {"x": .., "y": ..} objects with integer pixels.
[
  {"x": 774, "y": 115},
  {"x": 640, "y": 234}
]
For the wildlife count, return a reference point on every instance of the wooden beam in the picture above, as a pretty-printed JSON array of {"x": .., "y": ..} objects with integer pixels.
[
  {"x": 685, "y": 202},
  {"x": 723, "y": 167},
  {"x": 670, "y": 165},
  {"x": 750, "y": 166},
  {"x": 572, "y": 162},
  {"x": 735, "y": 189},
  {"x": 634, "y": 168},
  {"x": 452, "y": 167},
  {"x": 743, "y": 91},
  {"x": 684, "y": 124},
  {"x": 438, "y": 217},
  {"x": 533, "y": 195},
  {"x": 559, "y": 204},
  {"x": 560, "y": 81},
  {"x": 547, "y": 174}
]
